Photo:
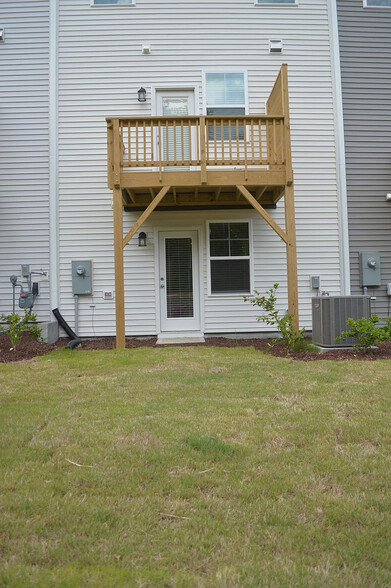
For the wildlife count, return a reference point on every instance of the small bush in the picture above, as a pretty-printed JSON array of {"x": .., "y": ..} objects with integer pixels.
[
  {"x": 18, "y": 325},
  {"x": 292, "y": 339},
  {"x": 366, "y": 332},
  {"x": 387, "y": 329}
]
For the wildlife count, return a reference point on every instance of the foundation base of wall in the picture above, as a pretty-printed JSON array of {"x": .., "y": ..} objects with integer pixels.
[
  {"x": 178, "y": 340},
  {"x": 49, "y": 332}
]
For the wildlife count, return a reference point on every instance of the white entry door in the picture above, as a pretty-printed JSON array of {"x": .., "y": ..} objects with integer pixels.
[
  {"x": 175, "y": 103},
  {"x": 179, "y": 281}
]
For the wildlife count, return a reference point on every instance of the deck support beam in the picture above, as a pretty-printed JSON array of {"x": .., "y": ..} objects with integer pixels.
[
  {"x": 291, "y": 256},
  {"x": 270, "y": 221},
  {"x": 146, "y": 214},
  {"x": 119, "y": 268},
  {"x": 119, "y": 244}
]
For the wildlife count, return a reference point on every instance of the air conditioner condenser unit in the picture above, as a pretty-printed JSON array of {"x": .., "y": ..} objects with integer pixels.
[{"x": 329, "y": 316}]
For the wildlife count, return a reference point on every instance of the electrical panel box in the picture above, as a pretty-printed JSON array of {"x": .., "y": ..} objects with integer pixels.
[
  {"x": 370, "y": 269},
  {"x": 315, "y": 282},
  {"x": 25, "y": 270},
  {"x": 82, "y": 277}
]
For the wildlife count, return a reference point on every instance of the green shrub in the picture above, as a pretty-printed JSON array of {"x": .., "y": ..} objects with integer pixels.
[
  {"x": 292, "y": 339},
  {"x": 387, "y": 329},
  {"x": 366, "y": 332},
  {"x": 18, "y": 325}
]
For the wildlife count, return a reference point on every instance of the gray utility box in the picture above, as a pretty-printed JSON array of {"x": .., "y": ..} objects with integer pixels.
[
  {"x": 370, "y": 269},
  {"x": 82, "y": 277},
  {"x": 329, "y": 316}
]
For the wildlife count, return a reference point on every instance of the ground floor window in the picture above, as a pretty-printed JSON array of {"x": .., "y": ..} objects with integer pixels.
[{"x": 229, "y": 251}]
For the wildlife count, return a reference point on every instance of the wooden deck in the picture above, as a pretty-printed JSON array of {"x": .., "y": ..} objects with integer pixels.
[
  {"x": 201, "y": 158},
  {"x": 193, "y": 162}
]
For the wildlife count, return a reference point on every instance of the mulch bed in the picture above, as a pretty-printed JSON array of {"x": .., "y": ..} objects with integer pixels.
[{"x": 28, "y": 348}]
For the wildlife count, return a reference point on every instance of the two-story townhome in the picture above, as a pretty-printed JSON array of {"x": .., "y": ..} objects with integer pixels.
[
  {"x": 364, "y": 28},
  {"x": 189, "y": 156}
]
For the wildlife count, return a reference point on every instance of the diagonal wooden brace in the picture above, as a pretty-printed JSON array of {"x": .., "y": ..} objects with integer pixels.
[
  {"x": 270, "y": 221},
  {"x": 158, "y": 198}
]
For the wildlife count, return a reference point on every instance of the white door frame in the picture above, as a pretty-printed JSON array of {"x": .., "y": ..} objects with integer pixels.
[{"x": 191, "y": 325}]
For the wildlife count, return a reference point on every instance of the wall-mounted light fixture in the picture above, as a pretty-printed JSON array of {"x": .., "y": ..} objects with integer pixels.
[
  {"x": 388, "y": 197},
  {"x": 142, "y": 239},
  {"x": 275, "y": 46},
  {"x": 1, "y": 35},
  {"x": 142, "y": 95},
  {"x": 146, "y": 49}
]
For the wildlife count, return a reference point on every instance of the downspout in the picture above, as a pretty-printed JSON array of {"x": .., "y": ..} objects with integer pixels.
[
  {"x": 339, "y": 149},
  {"x": 53, "y": 152}
]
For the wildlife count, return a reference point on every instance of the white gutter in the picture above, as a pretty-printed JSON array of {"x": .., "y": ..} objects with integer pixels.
[
  {"x": 53, "y": 152},
  {"x": 339, "y": 149}
]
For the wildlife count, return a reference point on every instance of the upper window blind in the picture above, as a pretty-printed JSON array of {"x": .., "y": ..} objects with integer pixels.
[
  {"x": 224, "y": 89},
  {"x": 380, "y": 3},
  {"x": 225, "y": 94},
  {"x": 275, "y": 1},
  {"x": 112, "y": 2}
]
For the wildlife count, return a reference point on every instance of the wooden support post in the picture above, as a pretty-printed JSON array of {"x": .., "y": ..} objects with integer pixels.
[
  {"x": 290, "y": 224},
  {"x": 203, "y": 140},
  {"x": 291, "y": 256},
  {"x": 118, "y": 233},
  {"x": 110, "y": 179},
  {"x": 119, "y": 269}
]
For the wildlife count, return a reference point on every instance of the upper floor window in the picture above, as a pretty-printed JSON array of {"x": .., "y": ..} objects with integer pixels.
[
  {"x": 225, "y": 94},
  {"x": 112, "y": 2},
  {"x": 276, "y": 2},
  {"x": 379, "y": 3}
]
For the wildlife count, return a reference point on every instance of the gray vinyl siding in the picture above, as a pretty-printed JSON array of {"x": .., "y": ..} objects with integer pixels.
[
  {"x": 101, "y": 67},
  {"x": 365, "y": 51},
  {"x": 24, "y": 153}
]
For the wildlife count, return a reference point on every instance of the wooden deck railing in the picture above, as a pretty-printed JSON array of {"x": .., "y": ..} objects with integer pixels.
[{"x": 199, "y": 141}]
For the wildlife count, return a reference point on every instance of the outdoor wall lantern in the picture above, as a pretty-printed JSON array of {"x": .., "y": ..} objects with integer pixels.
[
  {"x": 142, "y": 95},
  {"x": 142, "y": 239}
]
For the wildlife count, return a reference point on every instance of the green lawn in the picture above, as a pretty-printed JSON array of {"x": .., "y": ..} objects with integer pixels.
[{"x": 202, "y": 466}]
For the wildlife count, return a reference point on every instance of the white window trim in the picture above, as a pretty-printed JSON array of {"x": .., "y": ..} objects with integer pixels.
[
  {"x": 130, "y": 3},
  {"x": 250, "y": 257},
  {"x": 239, "y": 70},
  {"x": 277, "y": 3},
  {"x": 366, "y": 5}
]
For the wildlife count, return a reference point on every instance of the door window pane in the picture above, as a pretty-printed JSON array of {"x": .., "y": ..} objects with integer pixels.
[
  {"x": 179, "y": 278},
  {"x": 175, "y": 141}
]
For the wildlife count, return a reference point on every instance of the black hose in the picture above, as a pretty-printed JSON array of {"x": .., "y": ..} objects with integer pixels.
[{"x": 75, "y": 340}]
